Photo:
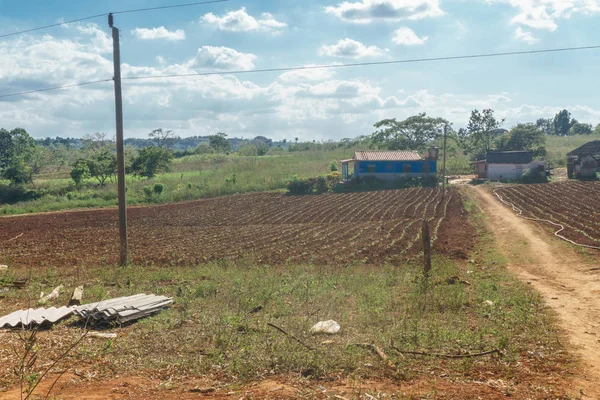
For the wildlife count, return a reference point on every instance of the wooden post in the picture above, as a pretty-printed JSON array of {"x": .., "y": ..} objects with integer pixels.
[
  {"x": 426, "y": 248},
  {"x": 120, "y": 152},
  {"x": 445, "y": 137}
]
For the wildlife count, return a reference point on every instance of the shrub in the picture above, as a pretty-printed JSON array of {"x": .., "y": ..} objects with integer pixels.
[
  {"x": 333, "y": 166},
  {"x": 321, "y": 184},
  {"x": 148, "y": 191},
  {"x": 333, "y": 179},
  {"x": 299, "y": 185},
  {"x": 158, "y": 188}
]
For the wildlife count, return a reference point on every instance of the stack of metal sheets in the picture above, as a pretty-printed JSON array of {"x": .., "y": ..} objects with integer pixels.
[
  {"x": 35, "y": 318},
  {"x": 123, "y": 309}
]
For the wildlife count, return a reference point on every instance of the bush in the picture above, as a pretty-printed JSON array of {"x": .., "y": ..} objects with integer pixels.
[
  {"x": 321, "y": 185},
  {"x": 333, "y": 166},
  {"x": 333, "y": 179},
  {"x": 299, "y": 186},
  {"x": 148, "y": 191},
  {"x": 158, "y": 188}
]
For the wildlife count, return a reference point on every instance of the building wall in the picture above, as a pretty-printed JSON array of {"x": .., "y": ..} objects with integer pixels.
[
  {"x": 511, "y": 171},
  {"x": 390, "y": 170}
]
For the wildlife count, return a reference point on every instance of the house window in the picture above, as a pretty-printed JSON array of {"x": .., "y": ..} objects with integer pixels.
[
  {"x": 371, "y": 168},
  {"x": 406, "y": 168},
  {"x": 426, "y": 168},
  {"x": 389, "y": 166}
]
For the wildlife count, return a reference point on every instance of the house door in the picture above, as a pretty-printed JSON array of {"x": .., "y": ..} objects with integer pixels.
[{"x": 345, "y": 171}]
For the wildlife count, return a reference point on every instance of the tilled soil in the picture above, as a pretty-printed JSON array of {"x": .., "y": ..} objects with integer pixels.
[{"x": 369, "y": 227}]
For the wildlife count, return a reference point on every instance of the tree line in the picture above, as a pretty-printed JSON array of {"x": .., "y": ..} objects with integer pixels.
[
  {"x": 22, "y": 158},
  {"x": 483, "y": 133}
]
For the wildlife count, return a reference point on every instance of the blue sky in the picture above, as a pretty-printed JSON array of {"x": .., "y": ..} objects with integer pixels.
[{"x": 316, "y": 104}]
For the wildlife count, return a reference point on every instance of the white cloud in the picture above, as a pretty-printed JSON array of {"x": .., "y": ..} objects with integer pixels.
[
  {"x": 158, "y": 33},
  {"x": 222, "y": 58},
  {"x": 407, "y": 37},
  {"x": 366, "y": 11},
  {"x": 304, "y": 75},
  {"x": 544, "y": 14},
  {"x": 309, "y": 104},
  {"x": 348, "y": 48},
  {"x": 100, "y": 43},
  {"x": 525, "y": 36},
  {"x": 241, "y": 21}
]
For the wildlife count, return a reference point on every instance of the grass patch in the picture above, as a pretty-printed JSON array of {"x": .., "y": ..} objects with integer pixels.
[{"x": 214, "y": 325}]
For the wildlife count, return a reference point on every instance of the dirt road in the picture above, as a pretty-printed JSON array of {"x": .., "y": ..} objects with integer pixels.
[{"x": 569, "y": 283}]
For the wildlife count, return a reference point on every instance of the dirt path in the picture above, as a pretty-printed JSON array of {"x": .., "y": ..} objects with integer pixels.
[{"x": 569, "y": 284}]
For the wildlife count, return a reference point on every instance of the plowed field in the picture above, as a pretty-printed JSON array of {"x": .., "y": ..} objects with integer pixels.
[
  {"x": 272, "y": 228},
  {"x": 574, "y": 205}
]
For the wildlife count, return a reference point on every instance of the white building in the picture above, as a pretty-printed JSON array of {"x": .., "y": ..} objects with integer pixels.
[{"x": 509, "y": 165}]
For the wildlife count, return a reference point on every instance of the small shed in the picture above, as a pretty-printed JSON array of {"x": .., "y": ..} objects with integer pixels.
[
  {"x": 499, "y": 165},
  {"x": 391, "y": 164},
  {"x": 584, "y": 161}
]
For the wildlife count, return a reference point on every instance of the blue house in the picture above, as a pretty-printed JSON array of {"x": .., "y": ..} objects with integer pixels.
[{"x": 391, "y": 165}]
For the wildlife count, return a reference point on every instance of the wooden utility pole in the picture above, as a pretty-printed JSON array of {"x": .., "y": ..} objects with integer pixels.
[
  {"x": 120, "y": 152},
  {"x": 445, "y": 138},
  {"x": 426, "y": 248}
]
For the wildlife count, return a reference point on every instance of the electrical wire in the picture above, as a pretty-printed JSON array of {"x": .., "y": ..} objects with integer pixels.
[
  {"x": 173, "y": 6},
  {"x": 362, "y": 64},
  {"x": 53, "y": 25},
  {"x": 239, "y": 72},
  {"x": 105, "y": 14},
  {"x": 56, "y": 88}
]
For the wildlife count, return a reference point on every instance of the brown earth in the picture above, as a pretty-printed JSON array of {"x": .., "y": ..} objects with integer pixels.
[
  {"x": 568, "y": 281},
  {"x": 371, "y": 227}
]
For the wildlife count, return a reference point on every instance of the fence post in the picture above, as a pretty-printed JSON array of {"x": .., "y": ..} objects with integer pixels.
[{"x": 426, "y": 248}]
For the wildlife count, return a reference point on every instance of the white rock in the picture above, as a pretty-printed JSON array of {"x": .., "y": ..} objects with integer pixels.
[{"x": 330, "y": 327}]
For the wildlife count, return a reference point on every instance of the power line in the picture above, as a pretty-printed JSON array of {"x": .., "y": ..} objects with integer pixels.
[
  {"x": 105, "y": 14},
  {"x": 362, "y": 64},
  {"x": 173, "y": 6},
  {"x": 56, "y": 87},
  {"x": 53, "y": 25}
]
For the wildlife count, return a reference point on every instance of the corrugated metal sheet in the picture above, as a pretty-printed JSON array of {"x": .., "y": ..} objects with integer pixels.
[
  {"x": 589, "y": 149},
  {"x": 123, "y": 309},
  {"x": 387, "y": 155},
  {"x": 32, "y": 318},
  {"x": 120, "y": 310}
]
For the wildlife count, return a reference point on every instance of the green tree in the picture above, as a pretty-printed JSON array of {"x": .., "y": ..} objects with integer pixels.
[
  {"x": 164, "y": 138},
  {"x": 580, "y": 129},
  {"x": 482, "y": 131},
  {"x": 411, "y": 134},
  {"x": 152, "y": 160},
  {"x": 546, "y": 125},
  {"x": 597, "y": 130},
  {"x": 562, "y": 123},
  {"x": 18, "y": 156},
  {"x": 523, "y": 137},
  {"x": 79, "y": 172},
  {"x": 102, "y": 165},
  {"x": 219, "y": 143}
]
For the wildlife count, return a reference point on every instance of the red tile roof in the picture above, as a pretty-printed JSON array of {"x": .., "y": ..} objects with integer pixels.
[{"x": 387, "y": 155}]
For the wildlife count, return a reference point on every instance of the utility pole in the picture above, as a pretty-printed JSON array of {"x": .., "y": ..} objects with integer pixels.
[
  {"x": 120, "y": 152},
  {"x": 445, "y": 138}
]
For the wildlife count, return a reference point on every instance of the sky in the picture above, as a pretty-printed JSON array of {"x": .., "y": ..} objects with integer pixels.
[{"x": 318, "y": 104}]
